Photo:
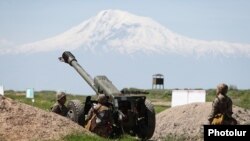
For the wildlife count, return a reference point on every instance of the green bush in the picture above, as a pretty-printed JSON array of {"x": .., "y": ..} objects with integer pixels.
[{"x": 160, "y": 94}]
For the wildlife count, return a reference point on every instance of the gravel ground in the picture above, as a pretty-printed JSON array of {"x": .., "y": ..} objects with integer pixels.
[
  {"x": 22, "y": 122},
  {"x": 187, "y": 120}
]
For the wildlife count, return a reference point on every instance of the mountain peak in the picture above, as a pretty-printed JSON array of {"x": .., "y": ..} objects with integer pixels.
[
  {"x": 114, "y": 13},
  {"x": 126, "y": 33}
]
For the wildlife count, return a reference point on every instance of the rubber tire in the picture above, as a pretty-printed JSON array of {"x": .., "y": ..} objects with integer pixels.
[
  {"x": 76, "y": 111},
  {"x": 146, "y": 131}
]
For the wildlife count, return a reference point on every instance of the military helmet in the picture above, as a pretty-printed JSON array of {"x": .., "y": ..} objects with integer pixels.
[
  {"x": 60, "y": 95},
  {"x": 102, "y": 99},
  {"x": 222, "y": 88}
]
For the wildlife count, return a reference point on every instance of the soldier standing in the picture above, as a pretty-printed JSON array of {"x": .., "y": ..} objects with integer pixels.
[
  {"x": 59, "y": 106},
  {"x": 222, "y": 108},
  {"x": 99, "y": 119}
]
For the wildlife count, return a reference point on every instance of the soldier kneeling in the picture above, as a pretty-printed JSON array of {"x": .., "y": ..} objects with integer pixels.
[{"x": 99, "y": 119}]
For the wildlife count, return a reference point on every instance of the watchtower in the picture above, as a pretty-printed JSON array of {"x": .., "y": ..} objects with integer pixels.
[{"x": 158, "y": 81}]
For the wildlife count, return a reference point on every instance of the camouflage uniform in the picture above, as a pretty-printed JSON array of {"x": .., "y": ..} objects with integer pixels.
[
  {"x": 99, "y": 118},
  {"x": 59, "y": 106},
  {"x": 59, "y": 109},
  {"x": 222, "y": 104}
]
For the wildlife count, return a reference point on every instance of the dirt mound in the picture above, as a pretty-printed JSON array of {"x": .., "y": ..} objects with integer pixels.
[
  {"x": 187, "y": 121},
  {"x": 22, "y": 122}
]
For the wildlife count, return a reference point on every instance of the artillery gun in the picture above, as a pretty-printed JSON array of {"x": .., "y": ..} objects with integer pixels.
[{"x": 134, "y": 115}]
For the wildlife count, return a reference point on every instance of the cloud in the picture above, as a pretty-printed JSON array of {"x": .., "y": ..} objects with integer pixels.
[{"x": 5, "y": 46}]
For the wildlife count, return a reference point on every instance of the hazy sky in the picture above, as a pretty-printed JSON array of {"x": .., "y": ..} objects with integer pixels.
[{"x": 28, "y": 21}]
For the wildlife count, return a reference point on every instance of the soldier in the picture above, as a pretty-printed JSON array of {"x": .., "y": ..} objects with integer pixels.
[
  {"x": 59, "y": 106},
  {"x": 222, "y": 108},
  {"x": 99, "y": 119}
]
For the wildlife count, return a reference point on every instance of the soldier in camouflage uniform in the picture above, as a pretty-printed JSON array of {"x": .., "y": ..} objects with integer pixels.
[
  {"x": 99, "y": 119},
  {"x": 222, "y": 104},
  {"x": 59, "y": 106}
]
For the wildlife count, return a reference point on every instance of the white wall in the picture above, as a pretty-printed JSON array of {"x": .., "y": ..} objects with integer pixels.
[{"x": 181, "y": 97}]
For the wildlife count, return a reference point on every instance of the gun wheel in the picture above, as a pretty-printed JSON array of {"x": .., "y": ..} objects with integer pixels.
[
  {"x": 76, "y": 111},
  {"x": 147, "y": 129}
]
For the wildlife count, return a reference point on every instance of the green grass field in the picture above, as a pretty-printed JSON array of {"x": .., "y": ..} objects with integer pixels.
[
  {"x": 240, "y": 98},
  {"x": 43, "y": 99},
  {"x": 80, "y": 137}
]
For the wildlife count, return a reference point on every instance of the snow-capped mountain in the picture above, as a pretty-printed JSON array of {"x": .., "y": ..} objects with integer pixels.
[{"x": 123, "y": 32}]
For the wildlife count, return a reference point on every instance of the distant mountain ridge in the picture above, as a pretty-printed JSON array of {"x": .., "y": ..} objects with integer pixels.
[{"x": 125, "y": 33}]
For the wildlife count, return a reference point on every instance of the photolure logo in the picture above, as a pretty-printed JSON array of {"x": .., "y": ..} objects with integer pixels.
[{"x": 213, "y": 132}]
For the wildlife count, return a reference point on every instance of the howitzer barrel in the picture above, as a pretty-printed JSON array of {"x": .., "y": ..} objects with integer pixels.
[{"x": 70, "y": 59}]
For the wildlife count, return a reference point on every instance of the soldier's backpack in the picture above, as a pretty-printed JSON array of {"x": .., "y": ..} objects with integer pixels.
[{"x": 218, "y": 119}]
